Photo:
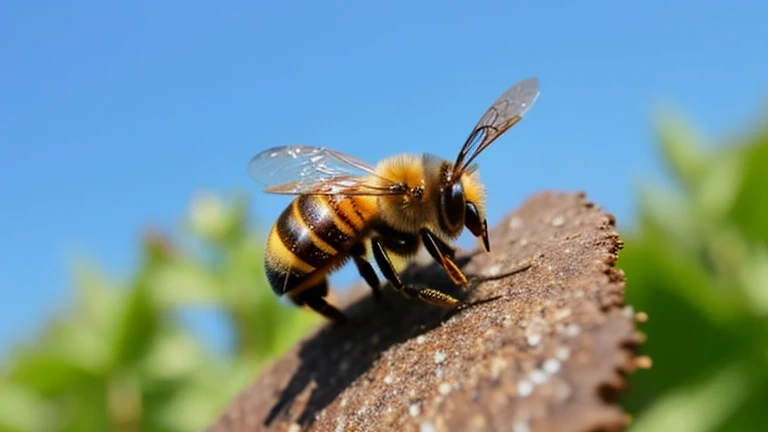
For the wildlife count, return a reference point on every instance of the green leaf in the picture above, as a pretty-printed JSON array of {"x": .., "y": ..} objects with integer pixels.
[
  {"x": 754, "y": 277},
  {"x": 136, "y": 326},
  {"x": 98, "y": 299},
  {"x": 183, "y": 283},
  {"x": 750, "y": 209},
  {"x": 719, "y": 185},
  {"x": 22, "y": 410},
  {"x": 67, "y": 355},
  {"x": 175, "y": 355},
  {"x": 667, "y": 211},
  {"x": 205, "y": 395},
  {"x": 699, "y": 407},
  {"x": 49, "y": 374},
  {"x": 678, "y": 145}
]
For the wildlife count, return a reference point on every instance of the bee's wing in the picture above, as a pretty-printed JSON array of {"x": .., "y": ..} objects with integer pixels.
[
  {"x": 507, "y": 110},
  {"x": 297, "y": 170}
]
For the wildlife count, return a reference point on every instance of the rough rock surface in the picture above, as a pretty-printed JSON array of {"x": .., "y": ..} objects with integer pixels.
[{"x": 549, "y": 351}]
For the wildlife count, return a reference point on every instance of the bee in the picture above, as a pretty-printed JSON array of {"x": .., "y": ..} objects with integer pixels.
[{"x": 345, "y": 208}]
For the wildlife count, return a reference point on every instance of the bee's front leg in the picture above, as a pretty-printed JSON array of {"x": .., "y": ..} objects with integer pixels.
[{"x": 436, "y": 248}]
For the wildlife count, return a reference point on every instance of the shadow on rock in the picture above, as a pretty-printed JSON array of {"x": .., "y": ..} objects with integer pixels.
[{"x": 371, "y": 328}]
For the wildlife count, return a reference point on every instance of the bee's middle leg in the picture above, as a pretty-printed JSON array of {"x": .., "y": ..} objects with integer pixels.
[
  {"x": 425, "y": 294},
  {"x": 442, "y": 253},
  {"x": 366, "y": 270}
]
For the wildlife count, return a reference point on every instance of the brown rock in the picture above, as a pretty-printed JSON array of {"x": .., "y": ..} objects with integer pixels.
[{"x": 549, "y": 351}]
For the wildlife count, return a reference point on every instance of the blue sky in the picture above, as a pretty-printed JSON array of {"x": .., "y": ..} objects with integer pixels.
[{"x": 114, "y": 115}]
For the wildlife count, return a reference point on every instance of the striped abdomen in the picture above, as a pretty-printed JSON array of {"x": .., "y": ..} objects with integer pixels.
[{"x": 314, "y": 233}]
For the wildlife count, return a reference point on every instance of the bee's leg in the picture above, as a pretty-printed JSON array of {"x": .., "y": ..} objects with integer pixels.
[
  {"x": 445, "y": 248},
  {"x": 313, "y": 297},
  {"x": 428, "y": 295},
  {"x": 433, "y": 245},
  {"x": 366, "y": 270}
]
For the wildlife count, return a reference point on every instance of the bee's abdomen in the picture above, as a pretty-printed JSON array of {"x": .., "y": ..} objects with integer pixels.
[{"x": 310, "y": 234}]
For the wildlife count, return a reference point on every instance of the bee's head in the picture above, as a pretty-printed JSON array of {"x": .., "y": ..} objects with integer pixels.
[{"x": 462, "y": 204}]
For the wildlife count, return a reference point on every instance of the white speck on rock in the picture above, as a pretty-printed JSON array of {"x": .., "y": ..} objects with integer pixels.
[
  {"x": 515, "y": 222},
  {"x": 521, "y": 427},
  {"x": 295, "y": 427},
  {"x": 444, "y": 388},
  {"x": 426, "y": 427},
  {"x": 494, "y": 270},
  {"x": 629, "y": 311},
  {"x": 562, "y": 391},
  {"x": 420, "y": 339},
  {"x": 551, "y": 366},
  {"x": 414, "y": 410},
  {"x": 562, "y": 314},
  {"x": 524, "y": 388},
  {"x": 534, "y": 339},
  {"x": 440, "y": 357},
  {"x": 388, "y": 379},
  {"x": 563, "y": 353},
  {"x": 498, "y": 364},
  {"x": 558, "y": 221},
  {"x": 523, "y": 241},
  {"x": 538, "y": 377},
  {"x": 572, "y": 330}
]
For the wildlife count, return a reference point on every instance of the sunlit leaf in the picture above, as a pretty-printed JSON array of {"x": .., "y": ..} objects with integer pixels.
[
  {"x": 22, "y": 410},
  {"x": 183, "y": 283},
  {"x": 718, "y": 187},
  {"x": 680, "y": 149},
  {"x": 666, "y": 210},
  {"x": 174, "y": 355},
  {"x": 754, "y": 277},
  {"x": 213, "y": 221},
  {"x": 97, "y": 301}
]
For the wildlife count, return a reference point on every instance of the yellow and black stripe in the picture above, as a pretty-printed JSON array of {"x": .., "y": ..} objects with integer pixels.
[{"x": 312, "y": 235}]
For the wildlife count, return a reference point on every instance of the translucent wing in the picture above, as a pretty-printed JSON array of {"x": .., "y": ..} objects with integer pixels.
[
  {"x": 296, "y": 170},
  {"x": 507, "y": 110}
]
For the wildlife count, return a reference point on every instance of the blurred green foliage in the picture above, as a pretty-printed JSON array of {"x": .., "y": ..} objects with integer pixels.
[
  {"x": 121, "y": 358},
  {"x": 697, "y": 263}
]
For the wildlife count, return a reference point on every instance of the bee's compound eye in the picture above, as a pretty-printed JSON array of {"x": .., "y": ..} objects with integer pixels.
[{"x": 453, "y": 206}]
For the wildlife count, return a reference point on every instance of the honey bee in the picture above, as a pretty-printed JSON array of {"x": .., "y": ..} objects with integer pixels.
[{"x": 348, "y": 209}]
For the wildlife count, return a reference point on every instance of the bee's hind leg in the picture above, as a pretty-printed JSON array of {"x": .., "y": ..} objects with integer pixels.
[
  {"x": 425, "y": 294},
  {"x": 314, "y": 298}
]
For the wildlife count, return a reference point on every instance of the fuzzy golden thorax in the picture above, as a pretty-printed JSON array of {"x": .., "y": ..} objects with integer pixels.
[{"x": 427, "y": 178}]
